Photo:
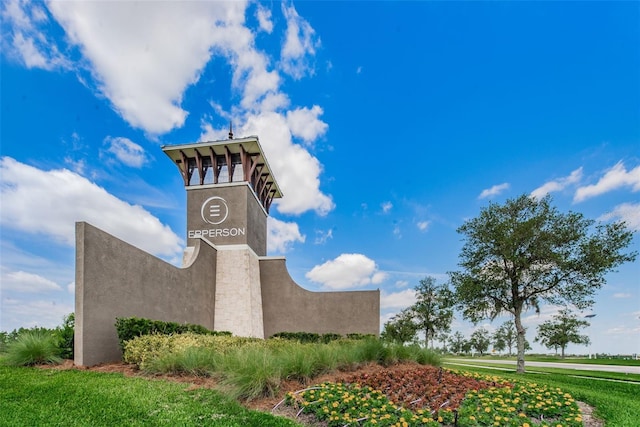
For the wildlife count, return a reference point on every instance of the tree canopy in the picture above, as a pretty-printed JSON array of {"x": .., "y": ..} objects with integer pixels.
[{"x": 525, "y": 252}]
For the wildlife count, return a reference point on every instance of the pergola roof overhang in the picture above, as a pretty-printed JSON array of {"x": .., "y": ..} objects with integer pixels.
[{"x": 214, "y": 156}]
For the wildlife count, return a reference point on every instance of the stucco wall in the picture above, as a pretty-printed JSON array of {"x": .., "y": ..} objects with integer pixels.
[
  {"x": 115, "y": 279},
  {"x": 289, "y": 308}
]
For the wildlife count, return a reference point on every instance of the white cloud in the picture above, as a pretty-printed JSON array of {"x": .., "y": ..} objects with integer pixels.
[
  {"x": 264, "y": 19},
  {"x": 145, "y": 54},
  {"x": 28, "y": 44},
  {"x": 281, "y": 235},
  {"x": 557, "y": 185},
  {"x": 493, "y": 191},
  {"x": 78, "y": 166},
  {"x": 295, "y": 169},
  {"x": 624, "y": 330},
  {"x": 423, "y": 225},
  {"x": 347, "y": 271},
  {"x": 323, "y": 236},
  {"x": 22, "y": 281},
  {"x": 615, "y": 178},
  {"x": 627, "y": 212},
  {"x": 127, "y": 151},
  {"x": 397, "y": 300},
  {"x": 50, "y": 202},
  {"x": 304, "y": 123},
  {"x": 622, "y": 295},
  {"x": 386, "y": 207},
  {"x": 71, "y": 288},
  {"x": 299, "y": 45},
  {"x": 402, "y": 283}
]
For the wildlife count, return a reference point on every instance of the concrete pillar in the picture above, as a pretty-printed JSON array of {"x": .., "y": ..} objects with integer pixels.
[{"x": 238, "y": 298}]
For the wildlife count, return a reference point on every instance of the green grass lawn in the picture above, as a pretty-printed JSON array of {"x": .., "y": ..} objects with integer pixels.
[
  {"x": 37, "y": 397},
  {"x": 558, "y": 359},
  {"x": 536, "y": 369},
  {"x": 616, "y": 403}
]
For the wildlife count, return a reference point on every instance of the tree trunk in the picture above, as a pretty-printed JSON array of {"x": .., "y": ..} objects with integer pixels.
[
  {"x": 519, "y": 342},
  {"x": 562, "y": 356}
]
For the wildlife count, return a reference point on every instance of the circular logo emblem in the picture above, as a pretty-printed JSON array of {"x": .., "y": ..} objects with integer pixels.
[{"x": 214, "y": 210}]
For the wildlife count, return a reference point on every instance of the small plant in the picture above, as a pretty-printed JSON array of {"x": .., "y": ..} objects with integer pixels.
[
  {"x": 33, "y": 347},
  {"x": 65, "y": 336}
]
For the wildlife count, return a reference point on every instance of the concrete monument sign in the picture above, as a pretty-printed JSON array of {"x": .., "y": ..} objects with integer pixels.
[{"x": 227, "y": 282}]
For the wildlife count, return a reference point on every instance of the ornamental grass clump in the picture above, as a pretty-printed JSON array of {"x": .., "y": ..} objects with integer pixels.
[
  {"x": 249, "y": 373},
  {"x": 33, "y": 347}
]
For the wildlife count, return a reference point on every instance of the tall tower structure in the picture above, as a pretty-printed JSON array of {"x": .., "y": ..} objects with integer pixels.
[{"x": 230, "y": 188}]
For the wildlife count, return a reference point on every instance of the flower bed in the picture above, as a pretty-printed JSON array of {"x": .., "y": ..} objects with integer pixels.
[{"x": 433, "y": 397}]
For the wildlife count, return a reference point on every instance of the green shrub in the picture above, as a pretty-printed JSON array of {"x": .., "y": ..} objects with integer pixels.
[
  {"x": 142, "y": 350},
  {"x": 65, "y": 336},
  {"x": 146, "y": 348},
  {"x": 131, "y": 327},
  {"x": 327, "y": 338},
  {"x": 303, "y": 337},
  {"x": 360, "y": 336},
  {"x": 33, "y": 347}
]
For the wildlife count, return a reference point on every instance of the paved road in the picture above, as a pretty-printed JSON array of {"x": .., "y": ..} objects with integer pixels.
[{"x": 577, "y": 366}]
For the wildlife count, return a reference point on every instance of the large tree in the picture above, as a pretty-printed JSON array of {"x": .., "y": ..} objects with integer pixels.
[
  {"x": 525, "y": 252},
  {"x": 562, "y": 329},
  {"x": 433, "y": 310}
]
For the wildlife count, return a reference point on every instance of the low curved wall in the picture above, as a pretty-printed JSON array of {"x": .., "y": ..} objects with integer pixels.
[
  {"x": 287, "y": 307},
  {"x": 115, "y": 279}
]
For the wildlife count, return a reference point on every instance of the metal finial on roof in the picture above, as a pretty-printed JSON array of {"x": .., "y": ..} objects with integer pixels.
[{"x": 230, "y": 130}]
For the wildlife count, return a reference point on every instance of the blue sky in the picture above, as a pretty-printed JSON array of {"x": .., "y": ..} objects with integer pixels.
[{"x": 386, "y": 124}]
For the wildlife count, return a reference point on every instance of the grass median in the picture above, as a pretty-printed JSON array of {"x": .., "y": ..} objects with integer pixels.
[{"x": 615, "y": 402}]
